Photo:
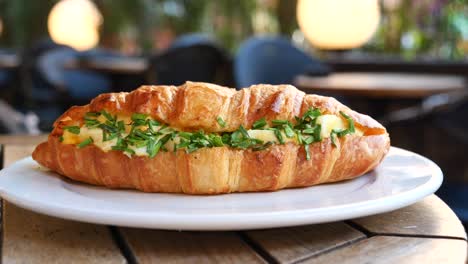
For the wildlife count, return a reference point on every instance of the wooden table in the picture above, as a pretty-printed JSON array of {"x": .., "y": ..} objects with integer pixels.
[
  {"x": 426, "y": 232},
  {"x": 113, "y": 65},
  {"x": 381, "y": 85}
]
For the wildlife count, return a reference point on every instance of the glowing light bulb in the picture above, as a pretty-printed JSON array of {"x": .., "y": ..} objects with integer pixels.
[
  {"x": 338, "y": 24},
  {"x": 75, "y": 23}
]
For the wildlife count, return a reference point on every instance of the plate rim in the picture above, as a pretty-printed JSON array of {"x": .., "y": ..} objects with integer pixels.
[{"x": 242, "y": 221}]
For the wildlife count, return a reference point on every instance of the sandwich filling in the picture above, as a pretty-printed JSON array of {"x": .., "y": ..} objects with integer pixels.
[{"x": 141, "y": 135}]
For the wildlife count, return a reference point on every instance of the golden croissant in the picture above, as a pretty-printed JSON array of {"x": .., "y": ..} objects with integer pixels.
[{"x": 201, "y": 138}]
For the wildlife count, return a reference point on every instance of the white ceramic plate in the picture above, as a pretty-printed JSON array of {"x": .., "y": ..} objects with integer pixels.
[{"x": 402, "y": 179}]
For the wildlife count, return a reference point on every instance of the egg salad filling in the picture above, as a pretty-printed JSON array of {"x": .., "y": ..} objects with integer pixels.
[{"x": 143, "y": 136}]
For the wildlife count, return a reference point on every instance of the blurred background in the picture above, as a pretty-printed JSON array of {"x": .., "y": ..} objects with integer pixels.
[{"x": 403, "y": 62}]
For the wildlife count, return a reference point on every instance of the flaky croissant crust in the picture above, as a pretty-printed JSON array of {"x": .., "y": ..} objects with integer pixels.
[{"x": 195, "y": 106}]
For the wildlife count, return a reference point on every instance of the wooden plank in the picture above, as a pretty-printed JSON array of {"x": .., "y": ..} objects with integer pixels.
[
  {"x": 22, "y": 139},
  {"x": 429, "y": 217},
  {"x": 390, "y": 249},
  {"x": 13, "y": 153},
  {"x": 156, "y": 246},
  {"x": 289, "y": 245},
  {"x": 34, "y": 238}
]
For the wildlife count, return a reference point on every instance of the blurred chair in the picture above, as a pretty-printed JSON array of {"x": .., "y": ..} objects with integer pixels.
[
  {"x": 273, "y": 60},
  {"x": 77, "y": 85},
  {"x": 191, "y": 39},
  {"x": 444, "y": 120},
  {"x": 54, "y": 88},
  {"x": 199, "y": 62},
  {"x": 6, "y": 75}
]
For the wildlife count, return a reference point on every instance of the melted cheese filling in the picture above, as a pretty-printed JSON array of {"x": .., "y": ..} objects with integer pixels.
[{"x": 327, "y": 122}]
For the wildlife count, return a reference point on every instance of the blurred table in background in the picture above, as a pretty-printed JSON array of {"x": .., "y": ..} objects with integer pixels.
[
  {"x": 385, "y": 64},
  {"x": 381, "y": 85},
  {"x": 127, "y": 73},
  {"x": 377, "y": 94},
  {"x": 114, "y": 65}
]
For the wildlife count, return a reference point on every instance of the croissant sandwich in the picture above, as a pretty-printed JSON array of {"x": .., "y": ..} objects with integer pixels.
[{"x": 201, "y": 138}]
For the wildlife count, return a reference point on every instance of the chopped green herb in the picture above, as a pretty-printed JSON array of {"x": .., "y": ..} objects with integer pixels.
[
  {"x": 72, "y": 129},
  {"x": 279, "y": 136},
  {"x": 153, "y": 147},
  {"x": 318, "y": 133},
  {"x": 136, "y": 117},
  {"x": 308, "y": 131},
  {"x": 262, "y": 147},
  {"x": 221, "y": 121},
  {"x": 91, "y": 122},
  {"x": 279, "y": 122},
  {"x": 61, "y": 138},
  {"x": 191, "y": 148},
  {"x": 307, "y": 151},
  {"x": 185, "y": 135},
  {"x": 108, "y": 128},
  {"x": 92, "y": 114},
  {"x": 183, "y": 144},
  {"x": 259, "y": 124},
  {"x": 165, "y": 139},
  {"x": 108, "y": 116},
  {"x": 145, "y": 132},
  {"x": 141, "y": 134},
  {"x": 165, "y": 129},
  {"x": 243, "y": 131},
  {"x": 350, "y": 128},
  {"x": 124, "y": 149},
  {"x": 85, "y": 142},
  {"x": 121, "y": 126},
  {"x": 288, "y": 131},
  {"x": 300, "y": 139},
  {"x": 332, "y": 137},
  {"x": 308, "y": 140},
  {"x": 236, "y": 136},
  {"x": 216, "y": 140},
  {"x": 152, "y": 124}
]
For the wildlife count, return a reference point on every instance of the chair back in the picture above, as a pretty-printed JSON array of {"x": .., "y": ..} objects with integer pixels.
[
  {"x": 191, "y": 39},
  {"x": 200, "y": 62},
  {"x": 272, "y": 60},
  {"x": 80, "y": 85}
]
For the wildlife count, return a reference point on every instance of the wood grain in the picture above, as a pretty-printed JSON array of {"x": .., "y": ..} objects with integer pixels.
[
  {"x": 34, "y": 238},
  {"x": 13, "y": 153},
  {"x": 22, "y": 139},
  {"x": 155, "y": 246},
  {"x": 390, "y": 249},
  {"x": 429, "y": 217},
  {"x": 289, "y": 245}
]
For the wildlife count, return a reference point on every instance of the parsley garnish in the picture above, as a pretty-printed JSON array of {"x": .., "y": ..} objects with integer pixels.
[
  {"x": 85, "y": 142},
  {"x": 288, "y": 131},
  {"x": 151, "y": 134},
  {"x": 307, "y": 151},
  {"x": 344, "y": 132},
  {"x": 108, "y": 116},
  {"x": 279, "y": 136},
  {"x": 72, "y": 129},
  {"x": 221, "y": 121},
  {"x": 259, "y": 124}
]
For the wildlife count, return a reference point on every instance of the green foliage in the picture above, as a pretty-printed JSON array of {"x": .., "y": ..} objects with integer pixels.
[
  {"x": 434, "y": 27},
  {"x": 24, "y": 21}
]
